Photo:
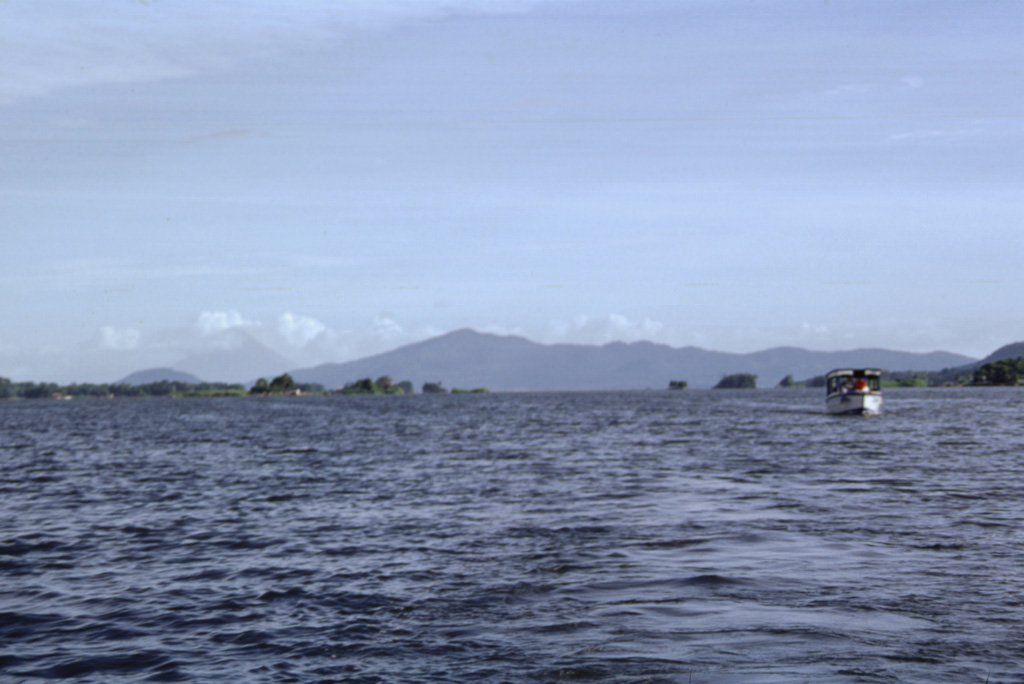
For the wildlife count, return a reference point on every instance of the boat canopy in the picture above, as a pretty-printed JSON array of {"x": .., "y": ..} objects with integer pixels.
[{"x": 842, "y": 379}]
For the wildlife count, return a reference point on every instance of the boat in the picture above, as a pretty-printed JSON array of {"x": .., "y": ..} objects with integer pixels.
[{"x": 854, "y": 390}]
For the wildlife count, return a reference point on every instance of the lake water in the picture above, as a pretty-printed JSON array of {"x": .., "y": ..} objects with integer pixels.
[{"x": 704, "y": 537}]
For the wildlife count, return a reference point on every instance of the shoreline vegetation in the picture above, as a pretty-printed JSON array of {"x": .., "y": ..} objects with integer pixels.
[
  {"x": 737, "y": 381},
  {"x": 1003, "y": 373},
  {"x": 282, "y": 385},
  {"x": 163, "y": 388},
  {"x": 1008, "y": 372}
]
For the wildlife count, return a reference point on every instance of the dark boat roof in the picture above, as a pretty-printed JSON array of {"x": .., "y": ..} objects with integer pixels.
[{"x": 855, "y": 372}]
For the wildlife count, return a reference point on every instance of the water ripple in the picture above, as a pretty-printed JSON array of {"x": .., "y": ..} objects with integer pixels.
[{"x": 606, "y": 537}]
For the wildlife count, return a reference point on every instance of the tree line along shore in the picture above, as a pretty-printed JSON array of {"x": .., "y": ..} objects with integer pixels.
[
  {"x": 1002, "y": 373},
  {"x": 282, "y": 385}
]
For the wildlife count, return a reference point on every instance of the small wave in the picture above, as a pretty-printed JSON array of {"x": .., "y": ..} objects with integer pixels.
[
  {"x": 711, "y": 580},
  {"x": 273, "y": 595},
  {"x": 15, "y": 625},
  {"x": 296, "y": 450},
  {"x": 159, "y": 666},
  {"x": 674, "y": 543}
]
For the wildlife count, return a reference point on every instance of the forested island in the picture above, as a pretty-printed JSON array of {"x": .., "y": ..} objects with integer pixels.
[
  {"x": 283, "y": 384},
  {"x": 737, "y": 381},
  {"x": 385, "y": 385},
  {"x": 382, "y": 385}
]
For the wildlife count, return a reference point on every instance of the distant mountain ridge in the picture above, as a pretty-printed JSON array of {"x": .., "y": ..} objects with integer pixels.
[
  {"x": 1009, "y": 351},
  {"x": 466, "y": 358},
  {"x": 145, "y": 377}
]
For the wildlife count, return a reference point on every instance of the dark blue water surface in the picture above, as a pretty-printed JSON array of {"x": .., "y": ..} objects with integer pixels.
[{"x": 709, "y": 537}]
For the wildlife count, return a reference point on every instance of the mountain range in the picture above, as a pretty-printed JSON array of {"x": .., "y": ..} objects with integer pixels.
[{"x": 469, "y": 359}]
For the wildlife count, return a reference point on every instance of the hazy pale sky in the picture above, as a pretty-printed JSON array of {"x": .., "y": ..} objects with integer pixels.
[{"x": 340, "y": 178}]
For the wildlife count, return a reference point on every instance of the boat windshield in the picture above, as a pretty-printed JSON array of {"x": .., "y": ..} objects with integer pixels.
[{"x": 849, "y": 382}]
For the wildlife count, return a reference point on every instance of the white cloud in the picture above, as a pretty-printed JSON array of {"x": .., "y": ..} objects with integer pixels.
[
  {"x": 214, "y": 322},
  {"x": 298, "y": 331},
  {"x": 498, "y": 329},
  {"x": 585, "y": 329},
  {"x": 112, "y": 339},
  {"x": 386, "y": 328}
]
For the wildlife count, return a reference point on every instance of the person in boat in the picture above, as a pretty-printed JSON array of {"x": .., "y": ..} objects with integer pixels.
[{"x": 854, "y": 385}]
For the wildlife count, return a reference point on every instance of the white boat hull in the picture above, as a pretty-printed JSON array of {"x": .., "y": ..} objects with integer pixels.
[{"x": 869, "y": 403}]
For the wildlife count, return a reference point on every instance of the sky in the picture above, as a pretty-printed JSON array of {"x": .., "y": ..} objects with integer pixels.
[{"x": 337, "y": 179}]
